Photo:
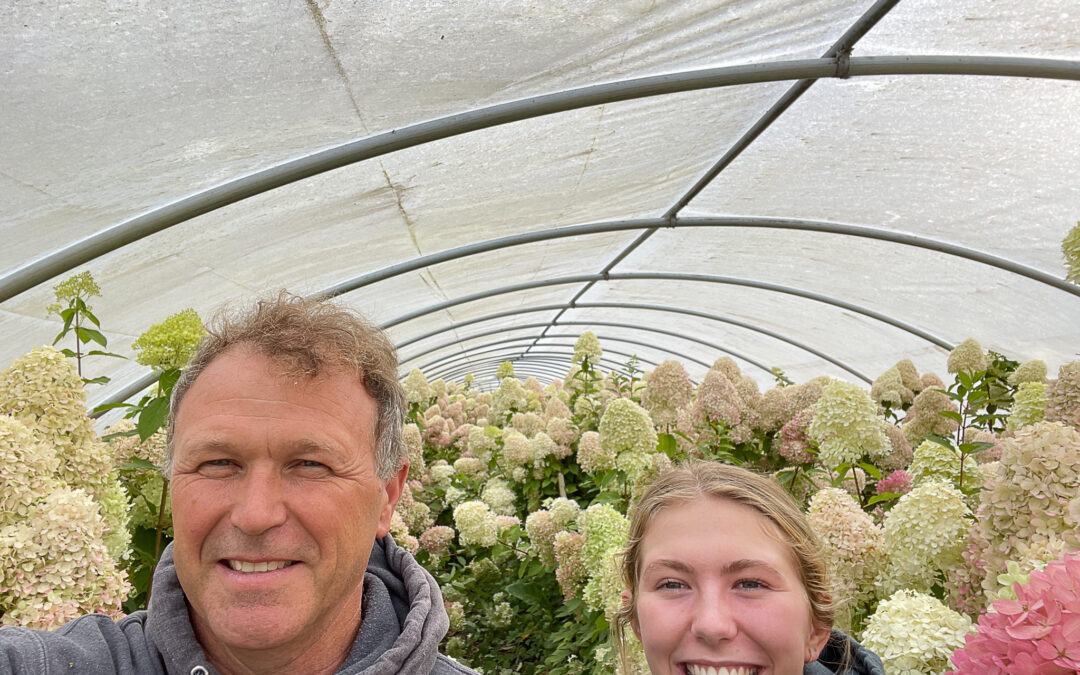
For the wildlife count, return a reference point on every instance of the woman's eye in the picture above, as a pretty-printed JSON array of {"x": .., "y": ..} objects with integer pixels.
[
  {"x": 751, "y": 584},
  {"x": 671, "y": 585}
]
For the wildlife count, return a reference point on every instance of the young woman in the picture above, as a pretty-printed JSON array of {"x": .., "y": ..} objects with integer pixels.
[{"x": 725, "y": 577}]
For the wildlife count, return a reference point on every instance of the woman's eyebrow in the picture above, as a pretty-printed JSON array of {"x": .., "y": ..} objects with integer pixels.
[{"x": 733, "y": 567}]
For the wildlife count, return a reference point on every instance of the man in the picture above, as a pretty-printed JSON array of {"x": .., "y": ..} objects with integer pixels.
[{"x": 286, "y": 460}]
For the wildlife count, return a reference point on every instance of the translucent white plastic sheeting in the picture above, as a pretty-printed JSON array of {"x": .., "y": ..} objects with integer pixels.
[{"x": 114, "y": 109}]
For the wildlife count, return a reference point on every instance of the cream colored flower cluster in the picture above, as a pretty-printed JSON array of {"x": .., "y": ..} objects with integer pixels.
[
  {"x": 417, "y": 389},
  {"x": 1029, "y": 405},
  {"x": 933, "y": 461},
  {"x": 628, "y": 434},
  {"x": 54, "y": 565},
  {"x": 1031, "y": 506},
  {"x": 924, "y": 536},
  {"x": 847, "y": 426},
  {"x": 915, "y": 634},
  {"x": 475, "y": 524},
  {"x": 587, "y": 347},
  {"x": 1063, "y": 396},
  {"x": 854, "y": 550},
  {"x": 922, "y": 417},
  {"x": 510, "y": 397},
  {"x": 605, "y": 531},
  {"x": 967, "y": 356},
  {"x": 64, "y": 521},
  {"x": 667, "y": 389}
]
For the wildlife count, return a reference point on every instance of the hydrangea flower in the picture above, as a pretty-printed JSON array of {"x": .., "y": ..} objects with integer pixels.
[
  {"x": 889, "y": 389},
  {"x": 417, "y": 389},
  {"x": 587, "y": 347},
  {"x": 436, "y": 540},
  {"x": 516, "y": 452},
  {"x": 967, "y": 356},
  {"x": 717, "y": 400},
  {"x": 510, "y": 397},
  {"x": 1028, "y": 371},
  {"x": 1070, "y": 249},
  {"x": 440, "y": 472},
  {"x": 470, "y": 466},
  {"x": 475, "y": 524},
  {"x": 1038, "y": 632},
  {"x": 27, "y": 471},
  {"x": 846, "y": 426},
  {"x": 627, "y": 432},
  {"x": 854, "y": 548},
  {"x": 528, "y": 423},
  {"x": 933, "y": 461},
  {"x": 564, "y": 511},
  {"x": 795, "y": 443},
  {"x": 592, "y": 456},
  {"x": 564, "y": 433},
  {"x": 726, "y": 366},
  {"x": 542, "y": 528},
  {"x": 505, "y": 370},
  {"x": 455, "y": 611},
  {"x": 571, "y": 572},
  {"x": 171, "y": 343},
  {"x": 481, "y": 443},
  {"x": 667, "y": 388},
  {"x": 1030, "y": 502},
  {"x": 54, "y": 565},
  {"x": 498, "y": 495},
  {"x": 909, "y": 375},
  {"x": 915, "y": 633},
  {"x": 922, "y": 417},
  {"x": 1063, "y": 396},
  {"x": 603, "y": 591},
  {"x": 604, "y": 528},
  {"x": 1029, "y": 405},
  {"x": 901, "y": 454},
  {"x": 414, "y": 443},
  {"x": 924, "y": 535},
  {"x": 76, "y": 286},
  {"x": 897, "y": 482}
]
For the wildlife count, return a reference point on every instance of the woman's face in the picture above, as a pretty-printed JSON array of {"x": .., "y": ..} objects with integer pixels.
[{"x": 718, "y": 590}]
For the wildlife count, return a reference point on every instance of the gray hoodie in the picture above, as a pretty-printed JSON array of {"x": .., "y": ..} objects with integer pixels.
[{"x": 403, "y": 621}]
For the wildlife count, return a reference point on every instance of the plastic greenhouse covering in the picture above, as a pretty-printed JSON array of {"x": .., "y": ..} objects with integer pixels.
[
  {"x": 765, "y": 188},
  {"x": 901, "y": 204}
]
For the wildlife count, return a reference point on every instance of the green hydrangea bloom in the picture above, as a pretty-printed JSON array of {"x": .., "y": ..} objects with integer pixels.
[
  {"x": 915, "y": 633},
  {"x": 1029, "y": 405},
  {"x": 505, "y": 370},
  {"x": 171, "y": 343},
  {"x": 846, "y": 426}
]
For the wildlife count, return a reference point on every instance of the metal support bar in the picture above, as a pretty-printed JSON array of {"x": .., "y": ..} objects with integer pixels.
[
  {"x": 513, "y": 288},
  {"x": 484, "y": 347},
  {"x": 610, "y": 363},
  {"x": 561, "y": 358},
  {"x": 155, "y": 220}
]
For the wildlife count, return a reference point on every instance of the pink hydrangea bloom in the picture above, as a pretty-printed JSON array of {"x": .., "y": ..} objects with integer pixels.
[
  {"x": 1036, "y": 634},
  {"x": 898, "y": 482}
]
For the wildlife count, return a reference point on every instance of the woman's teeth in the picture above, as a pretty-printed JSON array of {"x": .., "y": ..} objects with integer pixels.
[{"x": 713, "y": 670}]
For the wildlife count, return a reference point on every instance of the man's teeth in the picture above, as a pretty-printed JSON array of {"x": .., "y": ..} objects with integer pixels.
[
  {"x": 712, "y": 670},
  {"x": 247, "y": 567}
]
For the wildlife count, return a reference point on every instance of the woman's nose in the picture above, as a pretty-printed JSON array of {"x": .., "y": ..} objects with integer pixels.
[{"x": 714, "y": 619}]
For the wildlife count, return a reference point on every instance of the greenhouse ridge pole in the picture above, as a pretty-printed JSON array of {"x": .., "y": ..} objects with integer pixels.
[
  {"x": 466, "y": 362},
  {"x": 155, "y": 220},
  {"x": 840, "y": 51}
]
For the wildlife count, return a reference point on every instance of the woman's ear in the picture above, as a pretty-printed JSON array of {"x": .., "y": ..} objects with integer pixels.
[
  {"x": 815, "y": 643},
  {"x": 627, "y": 597}
]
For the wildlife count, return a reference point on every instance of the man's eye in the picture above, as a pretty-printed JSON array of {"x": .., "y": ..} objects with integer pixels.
[{"x": 311, "y": 464}]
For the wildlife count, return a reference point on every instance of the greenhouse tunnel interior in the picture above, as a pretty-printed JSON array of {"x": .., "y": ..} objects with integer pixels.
[{"x": 777, "y": 195}]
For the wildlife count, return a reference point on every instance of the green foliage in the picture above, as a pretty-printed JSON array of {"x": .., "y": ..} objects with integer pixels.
[{"x": 72, "y": 308}]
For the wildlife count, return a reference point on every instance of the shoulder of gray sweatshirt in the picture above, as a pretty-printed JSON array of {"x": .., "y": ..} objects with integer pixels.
[{"x": 403, "y": 622}]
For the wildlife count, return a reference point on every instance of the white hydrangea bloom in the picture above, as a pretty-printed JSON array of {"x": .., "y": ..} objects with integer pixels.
[
  {"x": 475, "y": 524},
  {"x": 846, "y": 426},
  {"x": 915, "y": 634},
  {"x": 924, "y": 535}
]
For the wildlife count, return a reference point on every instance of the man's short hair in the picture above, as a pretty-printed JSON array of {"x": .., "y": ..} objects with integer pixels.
[{"x": 306, "y": 338}]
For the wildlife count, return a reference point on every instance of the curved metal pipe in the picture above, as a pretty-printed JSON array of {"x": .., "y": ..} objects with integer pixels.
[
  {"x": 516, "y": 353},
  {"x": 155, "y": 220}
]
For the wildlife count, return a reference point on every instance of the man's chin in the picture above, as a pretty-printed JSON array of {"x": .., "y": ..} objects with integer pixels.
[{"x": 253, "y": 627}]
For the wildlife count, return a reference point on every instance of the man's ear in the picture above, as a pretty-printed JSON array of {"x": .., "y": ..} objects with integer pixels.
[
  {"x": 627, "y": 596},
  {"x": 394, "y": 487}
]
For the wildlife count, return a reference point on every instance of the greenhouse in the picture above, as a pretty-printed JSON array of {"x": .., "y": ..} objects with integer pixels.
[{"x": 835, "y": 243}]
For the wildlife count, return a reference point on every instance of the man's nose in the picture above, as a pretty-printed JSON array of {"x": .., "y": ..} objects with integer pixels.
[
  {"x": 714, "y": 619},
  {"x": 259, "y": 504}
]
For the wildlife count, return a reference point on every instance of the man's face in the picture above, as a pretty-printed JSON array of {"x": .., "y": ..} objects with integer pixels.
[{"x": 275, "y": 502}]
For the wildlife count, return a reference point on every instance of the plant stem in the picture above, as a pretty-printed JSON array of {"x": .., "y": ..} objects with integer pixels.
[
  {"x": 157, "y": 535},
  {"x": 78, "y": 345}
]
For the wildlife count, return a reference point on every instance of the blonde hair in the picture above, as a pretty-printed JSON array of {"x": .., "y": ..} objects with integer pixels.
[
  {"x": 694, "y": 480},
  {"x": 307, "y": 337}
]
